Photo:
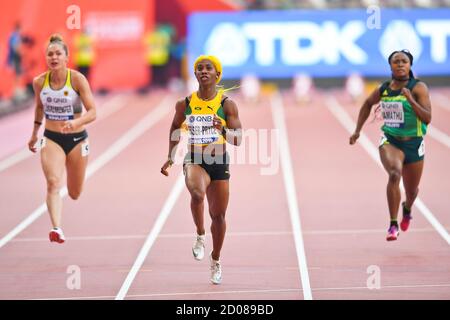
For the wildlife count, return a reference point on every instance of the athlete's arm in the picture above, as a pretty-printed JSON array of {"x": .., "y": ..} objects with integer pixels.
[
  {"x": 174, "y": 134},
  {"x": 419, "y": 101},
  {"x": 81, "y": 85},
  {"x": 38, "y": 82},
  {"x": 364, "y": 113},
  {"x": 233, "y": 132}
]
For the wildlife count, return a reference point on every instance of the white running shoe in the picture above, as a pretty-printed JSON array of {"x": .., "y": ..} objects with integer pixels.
[
  {"x": 57, "y": 235},
  {"x": 216, "y": 270},
  {"x": 198, "y": 249}
]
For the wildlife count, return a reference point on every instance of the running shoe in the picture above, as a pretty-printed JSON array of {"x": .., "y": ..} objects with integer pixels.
[
  {"x": 404, "y": 224},
  {"x": 198, "y": 249},
  {"x": 57, "y": 235},
  {"x": 216, "y": 270},
  {"x": 392, "y": 233}
]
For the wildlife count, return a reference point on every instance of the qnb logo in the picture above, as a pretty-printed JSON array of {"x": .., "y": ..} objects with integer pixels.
[{"x": 200, "y": 119}]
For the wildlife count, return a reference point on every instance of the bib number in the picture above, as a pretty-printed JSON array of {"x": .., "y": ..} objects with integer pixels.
[{"x": 393, "y": 114}]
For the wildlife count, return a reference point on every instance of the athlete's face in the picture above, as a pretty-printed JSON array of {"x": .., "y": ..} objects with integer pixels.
[
  {"x": 400, "y": 65},
  {"x": 56, "y": 56},
  {"x": 206, "y": 73}
]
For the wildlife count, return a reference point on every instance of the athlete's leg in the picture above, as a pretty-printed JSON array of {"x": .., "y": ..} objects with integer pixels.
[
  {"x": 412, "y": 172},
  {"x": 53, "y": 160},
  {"x": 197, "y": 181},
  {"x": 392, "y": 160},
  {"x": 76, "y": 164},
  {"x": 218, "y": 195}
]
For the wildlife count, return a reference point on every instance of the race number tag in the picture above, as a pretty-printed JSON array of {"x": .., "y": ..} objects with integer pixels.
[
  {"x": 421, "y": 150},
  {"x": 42, "y": 142},
  {"x": 393, "y": 114},
  {"x": 383, "y": 140},
  {"x": 201, "y": 129},
  {"x": 85, "y": 149}
]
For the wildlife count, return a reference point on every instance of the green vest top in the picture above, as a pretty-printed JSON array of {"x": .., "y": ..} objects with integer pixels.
[{"x": 398, "y": 115}]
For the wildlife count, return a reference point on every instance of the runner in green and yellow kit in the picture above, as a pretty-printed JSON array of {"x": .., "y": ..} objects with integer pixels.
[{"x": 406, "y": 110}]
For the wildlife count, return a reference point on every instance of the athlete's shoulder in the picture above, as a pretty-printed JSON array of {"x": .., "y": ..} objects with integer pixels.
[
  {"x": 77, "y": 76},
  {"x": 38, "y": 81}
]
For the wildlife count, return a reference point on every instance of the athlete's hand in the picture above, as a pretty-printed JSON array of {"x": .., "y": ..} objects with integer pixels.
[
  {"x": 217, "y": 123},
  {"x": 32, "y": 143},
  {"x": 166, "y": 166},
  {"x": 407, "y": 93},
  {"x": 354, "y": 137},
  {"x": 69, "y": 126}
]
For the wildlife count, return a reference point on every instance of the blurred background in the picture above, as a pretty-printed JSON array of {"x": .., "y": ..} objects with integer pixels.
[{"x": 139, "y": 45}]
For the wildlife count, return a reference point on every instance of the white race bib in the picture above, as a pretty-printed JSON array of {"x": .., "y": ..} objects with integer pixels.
[
  {"x": 421, "y": 150},
  {"x": 383, "y": 140},
  {"x": 393, "y": 114},
  {"x": 85, "y": 149},
  {"x": 201, "y": 129},
  {"x": 56, "y": 108}
]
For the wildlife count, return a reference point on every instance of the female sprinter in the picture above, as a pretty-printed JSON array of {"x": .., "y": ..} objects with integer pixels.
[
  {"x": 61, "y": 94},
  {"x": 406, "y": 109},
  {"x": 212, "y": 120}
]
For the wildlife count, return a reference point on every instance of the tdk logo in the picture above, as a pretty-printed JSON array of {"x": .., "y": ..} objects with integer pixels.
[{"x": 309, "y": 43}]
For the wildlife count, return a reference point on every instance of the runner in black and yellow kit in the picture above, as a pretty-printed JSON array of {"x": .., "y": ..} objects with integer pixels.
[
  {"x": 212, "y": 120},
  {"x": 406, "y": 109}
]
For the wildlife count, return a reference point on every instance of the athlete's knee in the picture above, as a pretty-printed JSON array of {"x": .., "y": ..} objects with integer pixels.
[
  {"x": 394, "y": 176},
  {"x": 53, "y": 184},
  {"x": 218, "y": 217},
  {"x": 197, "y": 195},
  {"x": 411, "y": 194}
]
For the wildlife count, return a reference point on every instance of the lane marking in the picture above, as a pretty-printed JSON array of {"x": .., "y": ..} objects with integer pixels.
[
  {"x": 444, "y": 102},
  {"x": 277, "y": 109},
  {"x": 114, "y": 150},
  {"x": 347, "y": 122},
  {"x": 109, "y": 107},
  {"x": 231, "y": 234},
  {"x": 439, "y": 135},
  {"x": 160, "y": 221},
  {"x": 287, "y": 290}
]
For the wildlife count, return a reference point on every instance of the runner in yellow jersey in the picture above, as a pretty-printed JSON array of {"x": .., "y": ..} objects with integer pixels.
[
  {"x": 406, "y": 109},
  {"x": 211, "y": 120}
]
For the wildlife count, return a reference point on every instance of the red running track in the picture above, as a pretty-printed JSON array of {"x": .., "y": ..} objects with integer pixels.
[{"x": 339, "y": 190}]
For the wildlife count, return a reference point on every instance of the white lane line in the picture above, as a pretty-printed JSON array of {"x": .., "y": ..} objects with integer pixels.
[
  {"x": 277, "y": 109},
  {"x": 444, "y": 102},
  {"x": 438, "y": 135},
  {"x": 231, "y": 234},
  {"x": 347, "y": 122},
  {"x": 162, "y": 217},
  {"x": 108, "y": 108},
  {"x": 287, "y": 290},
  {"x": 116, "y": 148}
]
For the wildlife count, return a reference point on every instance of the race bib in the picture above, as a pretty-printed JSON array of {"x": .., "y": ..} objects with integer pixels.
[
  {"x": 85, "y": 149},
  {"x": 421, "y": 150},
  {"x": 201, "y": 129},
  {"x": 58, "y": 108},
  {"x": 383, "y": 140},
  {"x": 393, "y": 114}
]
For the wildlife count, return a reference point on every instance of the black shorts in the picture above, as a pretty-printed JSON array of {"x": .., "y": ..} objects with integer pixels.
[
  {"x": 217, "y": 167},
  {"x": 414, "y": 149},
  {"x": 66, "y": 141}
]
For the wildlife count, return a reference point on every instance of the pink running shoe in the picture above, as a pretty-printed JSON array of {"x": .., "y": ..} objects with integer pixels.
[
  {"x": 404, "y": 224},
  {"x": 392, "y": 233}
]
